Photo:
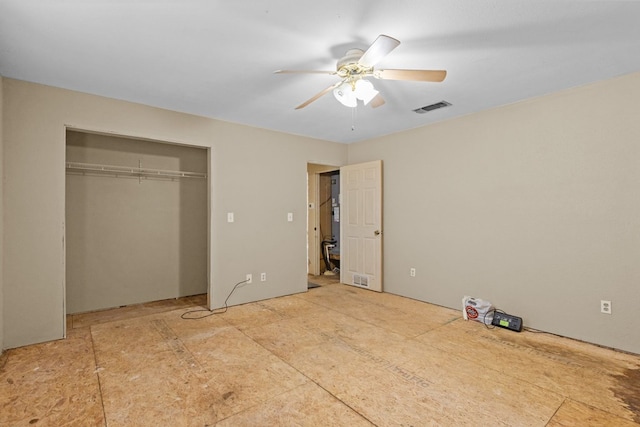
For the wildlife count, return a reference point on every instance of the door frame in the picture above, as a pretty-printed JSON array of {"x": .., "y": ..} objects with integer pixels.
[
  {"x": 314, "y": 170},
  {"x": 209, "y": 156}
]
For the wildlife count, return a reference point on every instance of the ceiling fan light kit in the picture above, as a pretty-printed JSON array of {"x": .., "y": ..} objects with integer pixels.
[
  {"x": 349, "y": 92},
  {"x": 365, "y": 91},
  {"x": 356, "y": 65},
  {"x": 346, "y": 95}
]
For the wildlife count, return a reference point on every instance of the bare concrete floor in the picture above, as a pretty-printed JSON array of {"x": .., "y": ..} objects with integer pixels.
[{"x": 335, "y": 355}]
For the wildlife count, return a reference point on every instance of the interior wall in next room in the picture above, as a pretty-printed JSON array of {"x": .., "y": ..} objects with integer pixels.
[{"x": 132, "y": 239}]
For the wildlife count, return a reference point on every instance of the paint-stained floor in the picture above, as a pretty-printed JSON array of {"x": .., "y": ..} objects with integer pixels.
[{"x": 335, "y": 355}]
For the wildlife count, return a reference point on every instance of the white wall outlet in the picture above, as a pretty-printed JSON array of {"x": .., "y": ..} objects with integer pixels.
[
  {"x": 290, "y": 217},
  {"x": 249, "y": 278},
  {"x": 412, "y": 272},
  {"x": 263, "y": 277},
  {"x": 230, "y": 217},
  {"x": 605, "y": 307}
]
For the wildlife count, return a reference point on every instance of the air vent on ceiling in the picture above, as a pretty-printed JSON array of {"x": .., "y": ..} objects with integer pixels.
[{"x": 432, "y": 107}]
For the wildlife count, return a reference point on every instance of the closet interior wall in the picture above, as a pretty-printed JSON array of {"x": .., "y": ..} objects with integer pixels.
[{"x": 133, "y": 238}]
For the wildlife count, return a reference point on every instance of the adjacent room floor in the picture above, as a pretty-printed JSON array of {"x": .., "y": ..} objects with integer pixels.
[{"x": 335, "y": 355}]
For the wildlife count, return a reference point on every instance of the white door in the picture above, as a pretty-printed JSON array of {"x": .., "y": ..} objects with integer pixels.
[{"x": 361, "y": 225}]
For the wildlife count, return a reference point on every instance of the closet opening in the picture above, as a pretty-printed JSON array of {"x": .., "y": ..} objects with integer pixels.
[{"x": 136, "y": 221}]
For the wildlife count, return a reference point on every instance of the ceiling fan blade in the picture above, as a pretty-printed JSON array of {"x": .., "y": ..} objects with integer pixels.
[
  {"x": 318, "y": 95},
  {"x": 378, "y": 50},
  {"x": 414, "y": 75},
  {"x": 377, "y": 101},
  {"x": 304, "y": 72}
]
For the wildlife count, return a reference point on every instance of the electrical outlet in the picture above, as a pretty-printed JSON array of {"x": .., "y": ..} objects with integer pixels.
[
  {"x": 412, "y": 272},
  {"x": 605, "y": 307},
  {"x": 249, "y": 278},
  {"x": 263, "y": 277}
]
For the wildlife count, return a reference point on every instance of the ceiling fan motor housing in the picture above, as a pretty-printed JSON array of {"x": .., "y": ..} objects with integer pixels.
[{"x": 351, "y": 57}]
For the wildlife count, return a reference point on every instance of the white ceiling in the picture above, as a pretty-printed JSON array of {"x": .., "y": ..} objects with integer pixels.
[{"x": 216, "y": 58}]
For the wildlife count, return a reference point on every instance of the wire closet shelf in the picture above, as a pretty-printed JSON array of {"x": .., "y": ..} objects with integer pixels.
[{"x": 138, "y": 172}]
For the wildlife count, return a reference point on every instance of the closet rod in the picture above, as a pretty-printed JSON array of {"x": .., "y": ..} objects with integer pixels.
[{"x": 132, "y": 171}]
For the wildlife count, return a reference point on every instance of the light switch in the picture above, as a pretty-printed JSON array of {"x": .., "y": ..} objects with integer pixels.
[
  {"x": 290, "y": 217},
  {"x": 230, "y": 217}
]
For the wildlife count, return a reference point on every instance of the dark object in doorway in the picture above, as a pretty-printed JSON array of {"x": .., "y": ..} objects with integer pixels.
[
  {"x": 312, "y": 285},
  {"x": 325, "y": 246}
]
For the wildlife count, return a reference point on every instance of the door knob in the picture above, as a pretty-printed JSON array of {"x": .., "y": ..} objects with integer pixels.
[{"x": 377, "y": 232}]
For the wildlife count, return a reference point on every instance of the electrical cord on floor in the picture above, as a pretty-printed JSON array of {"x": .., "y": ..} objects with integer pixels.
[{"x": 211, "y": 312}]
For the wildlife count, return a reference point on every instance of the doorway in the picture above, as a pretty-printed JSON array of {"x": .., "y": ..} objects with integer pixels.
[
  {"x": 323, "y": 220},
  {"x": 354, "y": 251},
  {"x": 329, "y": 222}
]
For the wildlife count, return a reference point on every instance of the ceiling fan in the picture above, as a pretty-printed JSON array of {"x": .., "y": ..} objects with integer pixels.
[{"x": 357, "y": 65}]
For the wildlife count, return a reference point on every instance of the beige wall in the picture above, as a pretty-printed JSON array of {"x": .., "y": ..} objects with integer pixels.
[
  {"x": 131, "y": 240},
  {"x": 534, "y": 206},
  {"x": 257, "y": 174},
  {"x": 1, "y": 217}
]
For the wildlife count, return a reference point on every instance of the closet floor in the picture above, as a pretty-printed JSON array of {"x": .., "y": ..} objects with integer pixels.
[
  {"x": 131, "y": 311},
  {"x": 335, "y": 355}
]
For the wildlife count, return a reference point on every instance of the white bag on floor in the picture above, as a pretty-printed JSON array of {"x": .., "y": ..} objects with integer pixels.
[{"x": 477, "y": 309}]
